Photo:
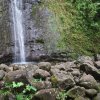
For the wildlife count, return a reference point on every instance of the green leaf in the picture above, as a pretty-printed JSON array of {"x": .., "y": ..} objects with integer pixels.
[{"x": 16, "y": 85}]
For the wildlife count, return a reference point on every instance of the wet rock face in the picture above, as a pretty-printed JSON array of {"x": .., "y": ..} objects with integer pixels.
[
  {"x": 5, "y": 42},
  {"x": 38, "y": 36},
  {"x": 40, "y": 39},
  {"x": 33, "y": 44}
]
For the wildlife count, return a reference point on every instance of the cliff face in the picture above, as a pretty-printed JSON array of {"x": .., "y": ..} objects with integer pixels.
[
  {"x": 40, "y": 29},
  {"x": 4, "y": 28},
  {"x": 40, "y": 37}
]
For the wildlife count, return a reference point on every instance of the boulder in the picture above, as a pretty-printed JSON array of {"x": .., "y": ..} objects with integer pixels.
[
  {"x": 18, "y": 76},
  {"x": 76, "y": 72},
  {"x": 2, "y": 74},
  {"x": 91, "y": 92},
  {"x": 31, "y": 70},
  {"x": 45, "y": 66},
  {"x": 46, "y": 94},
  {"x": 4, "y": 67},
  {"x": 39, "y": 73},
  {"x": 7, "y": 97},
  {"x": 59, "y": 66},
  {"x": 97, "y": 97},
  {"x": 83, "y": 59},
  {"x": 23, "y": 66},
  {"x": 88, "y": 81},
  {"x": 82, "y": 98},
  {"x": 71, "y": 65},
  {"x": 97, "y": 64},
  {"x": 62, "y": 79},
  {"x": 90, "y": 69},
  {"x": 76, "y": 92},
  {"x": 42, "y": 85},
  {"x": 68, "y": 66}
]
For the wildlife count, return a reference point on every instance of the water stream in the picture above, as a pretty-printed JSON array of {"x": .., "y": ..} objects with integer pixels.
[{"x": 18, "y": 30}]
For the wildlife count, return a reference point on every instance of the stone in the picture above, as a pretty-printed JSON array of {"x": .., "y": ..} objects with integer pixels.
[
  {"x": 7, "y": 97},
  {"x": 39, "y": 73},
  {"x": 83, "y": 59},
  {"x": 90, "y": 69},
  {"x": 2, "y": 74},
  {"x": 71, "y": 65},
  {"x": 66, "y": 82},
  {"x": 4, "y": 67},
  {"x": 42, "y": 85},
  {"x": 91, "y": 92},
  {"x": 88, "y": 81},
  {"x": 68, "y": 66},
  {"x": 17, "y": 76},
  {"x": 31, "y": 70},
  {"x": 76, "y": 92},
  {"x": 23, "y": 66},
  {"x": 97, "y": 64},
  {"x": 45, "y": 66},
  {"x": 62, "y": 79},
  {"x": 59, "y": 66},
  {"x": 46, "y": 94},
  {"x": 76, "y": 72},
  {"x": 10, "y": 97},
  {"x": 82, "y": 98},
  {"x": 2, "y": 97},
  {"x": 97, "y": 97}
]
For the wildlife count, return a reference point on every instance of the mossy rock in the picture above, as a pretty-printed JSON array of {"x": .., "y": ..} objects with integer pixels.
[{"x": 54, "y": 80}]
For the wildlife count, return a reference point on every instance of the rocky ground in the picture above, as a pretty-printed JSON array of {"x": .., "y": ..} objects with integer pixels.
[{"x": 80, "y": 79}]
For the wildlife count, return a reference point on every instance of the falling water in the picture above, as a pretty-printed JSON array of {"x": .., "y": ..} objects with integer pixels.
[{"x": 17, "y": 18}]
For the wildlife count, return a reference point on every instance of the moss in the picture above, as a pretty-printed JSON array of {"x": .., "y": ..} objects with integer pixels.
[
  {"x": 54, "y": 81},
  {"x": 65, "y": 22}
]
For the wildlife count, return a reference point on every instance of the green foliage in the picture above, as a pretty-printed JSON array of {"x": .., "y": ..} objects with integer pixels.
[
  {"x": 29, "y": 88},
  {"x": 88, "y": 21},
  {"x": 54, "y": 81},
  {"x": 16, "y": 85},
  {"x": 78, "y": 23},
  {"x": 37, "y": 80},
  {"x": 25, "y": 90},
  {"x": 62, "y": 95}
]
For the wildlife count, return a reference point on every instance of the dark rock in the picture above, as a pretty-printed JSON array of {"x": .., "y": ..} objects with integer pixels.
[
  {"x": 88, "y": 81},
  {"x": 2, "y": 74},
  {"x": 97, "y": 97},
  {"x": 42, "y": 85},
  {"x": 7, "y": 97},
  {"x": 18, "y": 76},
  {"x": 10, "y": 97},
  {"x": 39, "y": 73},
  {"x": 81, "y": 98},
  {"x": 97, "y": 64},
  {"x": 90, "y": 69},
  {"x": 4, "y": 67},
  {"x": 71, "y": 65},
  {"x": 59, "y": 67},
  {"x": 83, "y": 59},
  {"x": 45, "y": 66},
  {"x": 6, "y": 57},
  {"x": 76, "y": 92},
  {"x": 76, "y": 72},
  {"x": 46, "y": 94},
  {"x": 31, "y": 70},
  {"x": 2, "y": 97},
  {"x": 62, "y": 78},
  {"x": 91, "y": 92},
  {"x": 27, "y": 66}
]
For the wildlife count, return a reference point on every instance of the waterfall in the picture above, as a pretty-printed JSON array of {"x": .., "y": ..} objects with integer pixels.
[{"x": 18, "y": 30}]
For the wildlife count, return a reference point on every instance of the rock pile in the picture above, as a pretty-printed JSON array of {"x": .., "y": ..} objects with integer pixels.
[{"x": 80, "y": 78}]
